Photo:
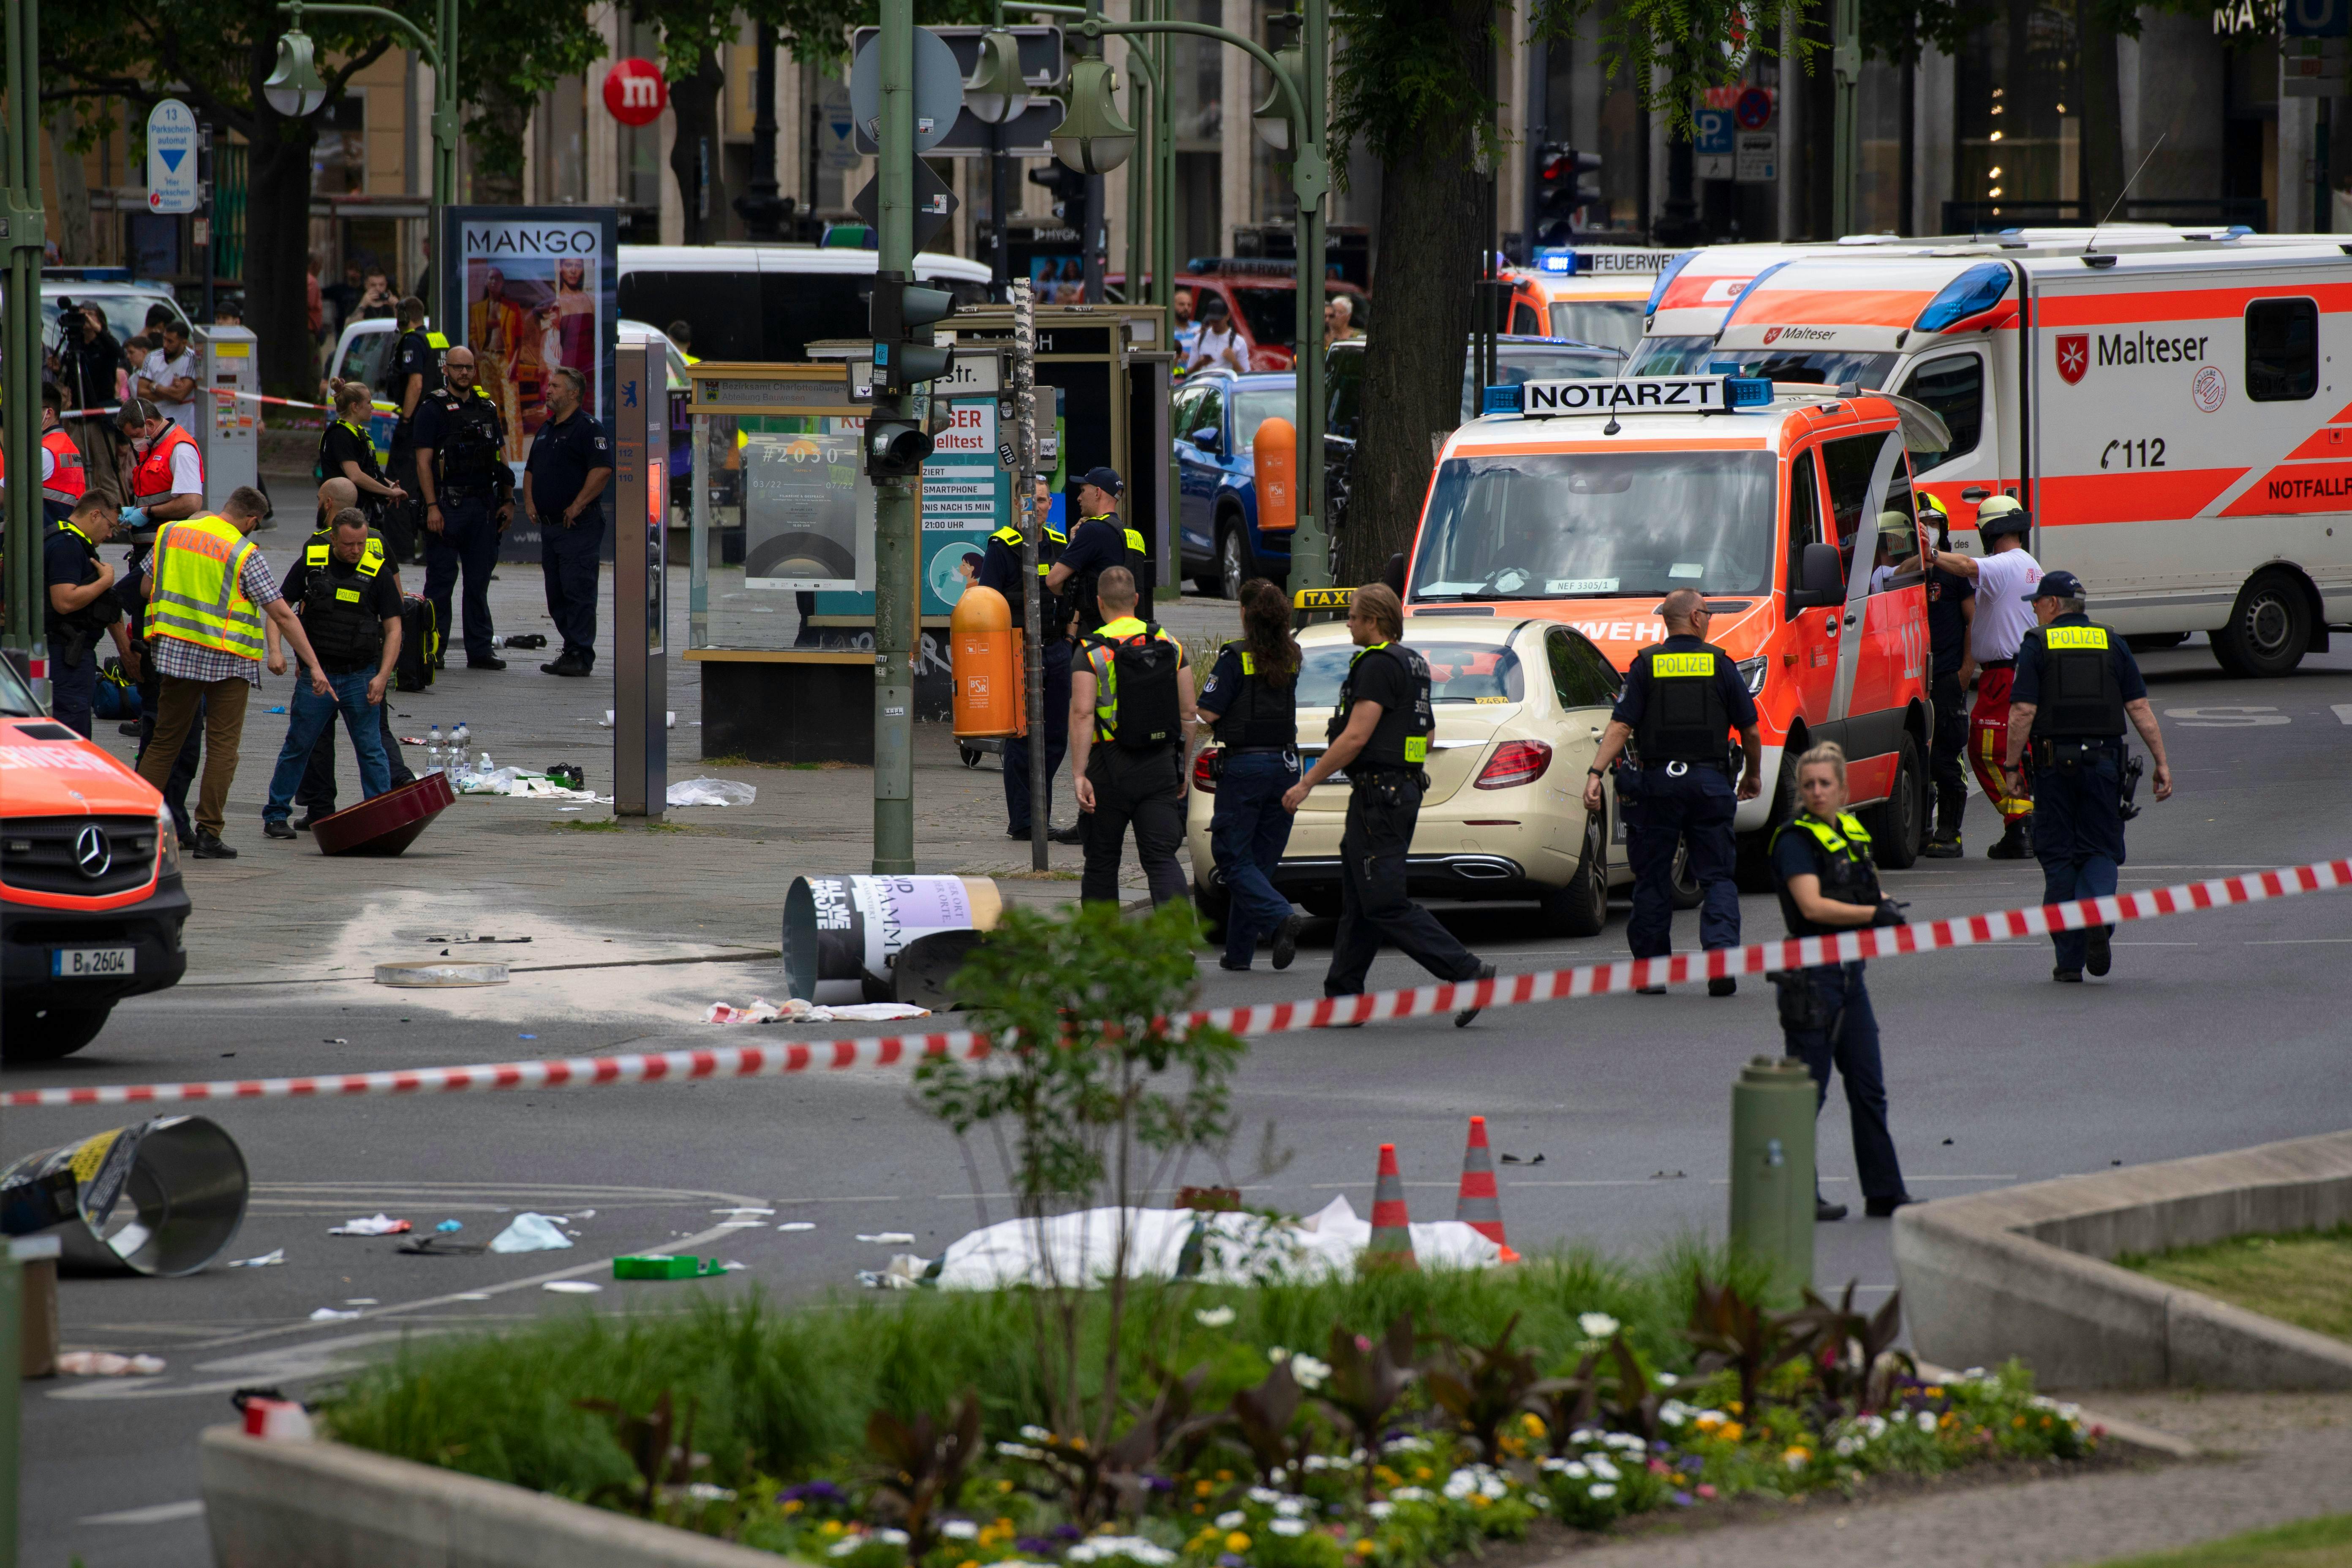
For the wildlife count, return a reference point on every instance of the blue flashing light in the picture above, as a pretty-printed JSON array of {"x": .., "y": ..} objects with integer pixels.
[
  {"x": 1746, "y": 391},
  {"x": 1667, "y": 275},
  {"x": 1561, "y": 263},
  {"x": 1501, "y": 400},
  {"x": 1976, "y": 291}
]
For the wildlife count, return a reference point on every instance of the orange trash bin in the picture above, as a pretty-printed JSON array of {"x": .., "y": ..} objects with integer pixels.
[{"x": 984, "y": 652}]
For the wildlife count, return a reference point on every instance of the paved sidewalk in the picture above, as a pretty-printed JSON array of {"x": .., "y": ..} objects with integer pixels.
[
  {"x": 708, "y": 881},
  {"x": 2271, "y": 1460}
]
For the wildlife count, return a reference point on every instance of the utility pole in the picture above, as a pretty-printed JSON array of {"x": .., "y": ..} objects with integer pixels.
[
  {"x": 1310, "y": 542},
  {"x": 1845, "y": 155},
  {"x": 1033, "y": 536},
  {"x": 895, "y": 562}
]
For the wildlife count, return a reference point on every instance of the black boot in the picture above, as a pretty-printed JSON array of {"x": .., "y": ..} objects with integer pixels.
[
  {"x": 2016, "y": 840},
  {"x": 1944, "y": 844}
]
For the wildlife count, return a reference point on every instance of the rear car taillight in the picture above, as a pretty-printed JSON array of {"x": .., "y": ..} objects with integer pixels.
[
  {"x": 1515, "y": 763},
  {"x": 1203, "y": 779}
]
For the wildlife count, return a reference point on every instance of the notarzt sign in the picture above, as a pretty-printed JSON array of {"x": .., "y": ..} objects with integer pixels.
[{"x": 1637, "y": 394}]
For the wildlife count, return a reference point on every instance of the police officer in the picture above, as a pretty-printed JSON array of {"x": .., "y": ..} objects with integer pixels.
[
  {"x": 1251, "y": 701},
  {"x": 1098, "y": 543},
  {"x": 2076, "y": 684},
  {"x": 1000, "y": 569},
  {"x": 414, "y": 373},
  {"x": 1823, "y": 871},
  {"x": 81, "y": 609},
  {"x": 468, "y": 490},
  {"x": 347, "y": 453},
  {"x": 316, "y": 794},
  {"x": 1951, "y": 609},
  {"x": 2004, "y": 578},
  {"x": 1379, "y": 736},
  {"x": 349, "y": 599},
  {"x": 1131, "y": 722},
  {"x": 1682, "y": 699},
  {"x": 570, "y": 463}
]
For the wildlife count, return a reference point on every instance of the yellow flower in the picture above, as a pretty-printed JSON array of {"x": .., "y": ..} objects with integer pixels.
[
  {"x": 1384, "y": 1475},
  {"x": 2017, "y": 1420},
  {"x": 1796, "y": 1458},
  {"x": 792, "y": 1505},
  {"x": 1707, "y": 1423},
  {"x": 1421, "y": 1473},
  {"x": 1933, "y": 1391},
  {"x": 1735, "y": 1409},
  {"x": 969, "y": 1563},
  {"x": 1679, "y": 1479},
  {"x": 1534, "y": 1424},
  {"x": 1004, "y": 1486},
  {"x": 1950, "y": 1421},
  {"x": 1224, "y": 1475},
  {"x": 1478, "y": 1499},
  {"x": 1199, "y": 1489},
  {"x": 1237, "y": 1541},
  {"x": 830, "y": 1526},
  {"x": 1730, "y": 1431},
  {"x": 1364, "y": 1548}
]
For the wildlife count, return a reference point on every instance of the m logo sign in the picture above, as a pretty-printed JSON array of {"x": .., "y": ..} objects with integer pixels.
[
  {"x": 2073, "y": 357},
  {"x": 635, "y": 92}
]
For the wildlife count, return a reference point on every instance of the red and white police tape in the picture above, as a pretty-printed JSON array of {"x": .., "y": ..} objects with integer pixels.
[{"x": 1503, "y": 990}]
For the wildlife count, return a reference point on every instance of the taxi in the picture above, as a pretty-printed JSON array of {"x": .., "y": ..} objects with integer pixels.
[
  {"x": 90, "y": 898},
  {"x": 1520, "y": 703},
  {"x": 1790, "y": 507}
]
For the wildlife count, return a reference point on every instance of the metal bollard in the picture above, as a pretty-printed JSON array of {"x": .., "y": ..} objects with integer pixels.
[{"x": 1773, "y": 1165}]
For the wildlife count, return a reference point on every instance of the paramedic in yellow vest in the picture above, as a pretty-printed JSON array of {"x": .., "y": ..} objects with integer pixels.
[{"x": 208, "y": 591}]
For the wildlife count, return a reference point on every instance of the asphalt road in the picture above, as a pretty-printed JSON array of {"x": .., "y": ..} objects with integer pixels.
[{"x": 2215, "y": 1031}]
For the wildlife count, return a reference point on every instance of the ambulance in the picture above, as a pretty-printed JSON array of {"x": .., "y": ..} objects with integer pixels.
[
  {"x": 90, "y": 898},
  {"x": 1789, "y": 507},
  {"x": 2163, "y": 401},
  {"x": 1592, "y": 294}
]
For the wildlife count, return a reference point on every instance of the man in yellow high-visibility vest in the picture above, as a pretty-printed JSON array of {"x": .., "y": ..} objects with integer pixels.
[{"x": 208, "y": 590}]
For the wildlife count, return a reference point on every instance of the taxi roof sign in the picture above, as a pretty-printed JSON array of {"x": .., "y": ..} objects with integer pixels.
[
  {"x": 1323, "y": 598},
  {"x": 1630, "y": 394}
]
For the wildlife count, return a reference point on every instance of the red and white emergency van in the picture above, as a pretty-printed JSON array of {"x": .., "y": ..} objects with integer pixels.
[
  {"x": 2164, "y": 402},
  {"x": 1789, "y": 508}
]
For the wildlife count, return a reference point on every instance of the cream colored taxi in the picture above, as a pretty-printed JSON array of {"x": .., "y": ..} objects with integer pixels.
[{"x": 1520, "y": 704}]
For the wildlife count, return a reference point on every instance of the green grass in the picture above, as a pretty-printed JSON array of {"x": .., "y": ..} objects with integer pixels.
[
  {"x": 2325, "y": 1542},
  {"x": 786, "y": 1390},
  {"x": 602, "y": 825},
  {"x": 2303, "y": 1278}
]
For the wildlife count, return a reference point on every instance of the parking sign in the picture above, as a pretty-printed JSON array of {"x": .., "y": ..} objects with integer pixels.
[{"x": 170, "y": 157}]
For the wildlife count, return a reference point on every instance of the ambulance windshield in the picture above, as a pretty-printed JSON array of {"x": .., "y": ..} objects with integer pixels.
[
  {"x": 1828, "y": 367},
  {"x": 1567, "y": 525},
  {"x": 1671, "y": 356}
]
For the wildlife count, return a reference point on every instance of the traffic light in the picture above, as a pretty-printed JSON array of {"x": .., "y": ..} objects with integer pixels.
[
  {"x": 1069, "y": 188},
  {"x": 901, "y": 320},
  {"x": 895, "y": 446},
  {"x": 1561, "y": 192}
]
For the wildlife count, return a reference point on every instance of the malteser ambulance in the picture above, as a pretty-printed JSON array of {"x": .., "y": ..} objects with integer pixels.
[
  {"x": 1789, "y": 508},
  {"x": 2163, "y": 402}
]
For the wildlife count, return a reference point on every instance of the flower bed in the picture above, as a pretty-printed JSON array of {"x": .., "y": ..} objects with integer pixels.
[{"x": 1435, "y": 1414}]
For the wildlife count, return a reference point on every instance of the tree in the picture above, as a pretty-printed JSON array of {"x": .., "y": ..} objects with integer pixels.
[
  {"x": 1414, "y": 79},
  {"x": 511, "y": 54}
]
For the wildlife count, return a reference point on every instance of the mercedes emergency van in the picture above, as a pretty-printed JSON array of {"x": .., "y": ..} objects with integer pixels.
[
  {"x": 1790, "y": 508},
  {"x": 2164, "y": 402}
]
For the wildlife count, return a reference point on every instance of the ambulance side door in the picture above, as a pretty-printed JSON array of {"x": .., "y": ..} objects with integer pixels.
[
  {"x": 1958, "y": 383},
  {"x": 1808, "y": 640},
  {"x": 1861, "y": 470}
]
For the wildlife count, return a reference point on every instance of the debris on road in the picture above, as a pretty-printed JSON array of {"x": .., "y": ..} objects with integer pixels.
[
  {"x": 1522, "y": 1160},
  {"x": 531, "y": 1232},
  {"x": 662, "y": 1265},
  {"x": 799, "y": 1010},
  {"x": 106, "y": 1364},
  {"x": 382, "y": 1225},
  {"x": 741, "y": 1211},
  {"x": 449, "y": 1225},
  {"x": 891, "y": 1238},
  {"x": 331, "y": 1315},
  {"x": 798, "y": 1224},
  {"x": 573, "y": 1286},
  {"x": 270, "y": 1259},
  {"x": 711, "y": 791},
  {"x": 441, "y": 1246},
  {"x": 904, "y": 1272}
]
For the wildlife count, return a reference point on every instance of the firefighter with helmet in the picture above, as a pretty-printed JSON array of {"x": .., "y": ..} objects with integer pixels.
[
  {"x": 2076, "y": 686},
  {"x": 2004, "y": 578}
]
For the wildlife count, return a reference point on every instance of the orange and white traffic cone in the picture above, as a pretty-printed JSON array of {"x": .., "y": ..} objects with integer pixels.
[
  {"x": 1391, "y": 1242},
  {"x": 1480, "y": 1206}
]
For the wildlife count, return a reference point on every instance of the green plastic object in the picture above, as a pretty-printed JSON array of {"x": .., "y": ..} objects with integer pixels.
[
  {"x": 1773, "y": 1165},
  {"x": 663, "y": 1267}
]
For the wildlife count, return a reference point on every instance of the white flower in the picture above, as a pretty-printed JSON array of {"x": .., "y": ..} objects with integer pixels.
[
  {"x": 1575, "y": 1471},
  {"x": 1036, "y": 1434},
  {"x": 1232, "y": 1518},
  {"x": 1276, "y": 1353},
  {"x": 1846, "y": 1446},
  {"x": 1321, "y": 1462},
  {"x": 1266, "y": 1496},
  {"x": 1665, "y": 1380},
  {"x": 845, "y": 1546},
  {"x": 1379, "y": 1509},
  {"x": 1604, "y": 1491},
  {"x": 1213, "y": 1317},
  {"x": 1493, "y": 1487},
  {"x": 703, "y": 1491},
  {"x": 1585, "y": 1435},
  {"x": 1927, "y": 1421},
  {"x": 1405, "y": 1445},
  {"x": 1674, "y": 1412},
  {"x": 1409, "y": 1494},
  {"x": 1287, "y": 1526},
  {"x": 1460, "y": 1485},
  {"x": 1602, "y": 1467},
  {"x": 1020, "y": 1451},
  {"x": 1309, "y": 1372},
  {"x": 1873, "y": 1426},
  {"x": 958, "y": 1529},
  {"x": 1291, "y": 1507},
  {"x": 891, "y": 1537},
  {"x": 1596, "y": 1325},
  {"x": 1625, "y": 1440},
  {"x": 2069, "y": 1413},
  {"x": 1132, "y": 1547}
]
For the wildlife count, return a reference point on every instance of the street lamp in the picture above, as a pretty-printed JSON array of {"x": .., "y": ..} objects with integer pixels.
[
  {"x": 995, "y": 92},
  {"x": 1094, "y": 138},
  {"x": 295, "y": 88}
]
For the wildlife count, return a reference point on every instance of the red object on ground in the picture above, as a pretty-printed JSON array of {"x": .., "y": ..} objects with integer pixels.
[
  {"x": 635, "y": 91},
  {"x": 1480, "y": 1205},
  {"x": 387, "y": 824},
  {"x": 1391, "y": 1241}
]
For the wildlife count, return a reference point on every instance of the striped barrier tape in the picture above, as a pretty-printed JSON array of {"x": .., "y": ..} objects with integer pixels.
[
  {"x": 1503, "y": 990},
  {"x": 231, "y": 391}
]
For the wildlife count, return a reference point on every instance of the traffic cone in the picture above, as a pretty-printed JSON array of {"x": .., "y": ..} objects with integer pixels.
[
  {"x": 1391, "y": 1242},
  {"x": 1480, "y": 1206}
]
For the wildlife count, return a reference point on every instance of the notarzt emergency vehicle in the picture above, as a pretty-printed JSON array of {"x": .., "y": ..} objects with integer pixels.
[
  {"x": 1593, "y": 294},
  {"x": 2164, "y": 402},
  {"x": 1589, "y": 501}
]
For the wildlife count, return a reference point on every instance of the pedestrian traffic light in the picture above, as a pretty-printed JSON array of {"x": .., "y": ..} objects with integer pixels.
[
  {"x": 903, "y": 354},
  {"x": 1562, "y": 192}
]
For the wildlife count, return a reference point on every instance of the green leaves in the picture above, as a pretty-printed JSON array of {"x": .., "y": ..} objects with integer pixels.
[
  {"x": 1671, "y": 51},
  {"x": 923, "y": 1465}
]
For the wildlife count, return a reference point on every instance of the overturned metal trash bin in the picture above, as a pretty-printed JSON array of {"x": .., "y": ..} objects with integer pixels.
[
  {"x": 163, "y": 1197},
  {"x": 843, "y": 929}
]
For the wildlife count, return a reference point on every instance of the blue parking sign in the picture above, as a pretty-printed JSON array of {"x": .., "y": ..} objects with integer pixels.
[{"x": 1715, "y": 125}]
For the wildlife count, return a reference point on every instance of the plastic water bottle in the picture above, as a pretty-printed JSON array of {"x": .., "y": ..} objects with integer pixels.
[
  {"x": 433, "y": 750},
  {"x": 459, "y": 739}
]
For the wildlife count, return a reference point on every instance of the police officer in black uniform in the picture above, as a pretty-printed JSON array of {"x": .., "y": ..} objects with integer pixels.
[
  {"x": 1682, "y": 699},
  {"x": 1379, "y": 737},
  {"x": 1000, "y": 569},
  {"x": 1251, "y": 701},
  {"x": 570, "y": 463},
  {"x": 349, "y": 599},
  {"x": 1131, "y": 720},
  {"x": 468, "y": 494},
  {"x": 1951, "y": 606},
  {"x": 2076, "y": 685},
  {"x": 316, "y": 794},
  {"x": 347, "y": 453},
  {"x": 413, "y": 375},
  {"x": 1823, "y": 871},
  {"x": 80, "y": 608},
  {"x": 1099, "y": 542}
]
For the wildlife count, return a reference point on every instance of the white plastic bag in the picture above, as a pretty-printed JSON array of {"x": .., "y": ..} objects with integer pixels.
[
  {"x": 711, "y": 791},
  {"x": 529, "y": 1232}
]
